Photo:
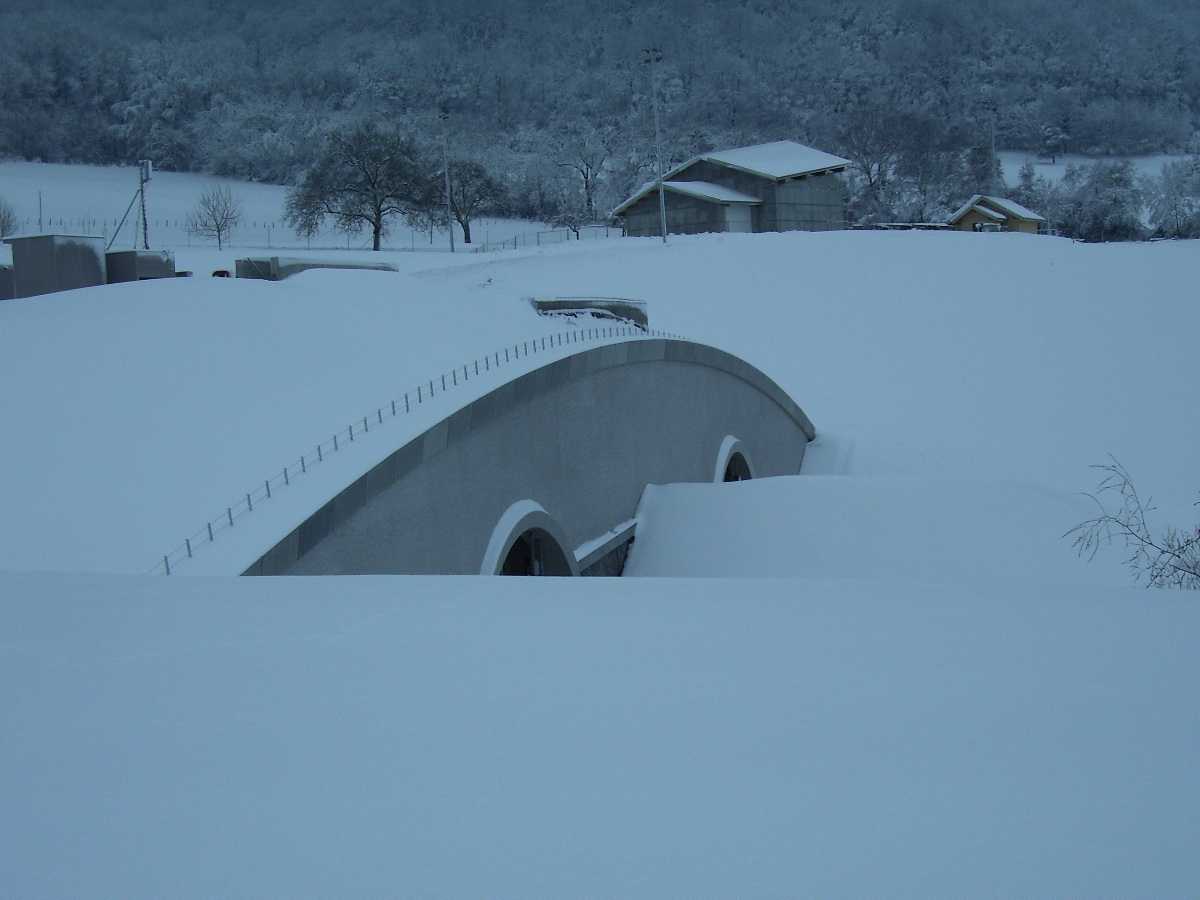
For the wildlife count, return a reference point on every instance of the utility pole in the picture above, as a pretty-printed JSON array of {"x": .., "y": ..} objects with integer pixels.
[
  {"x": 445, "y": 117},
  {"x": 653, "y": 58},
  {"x": 144, "y": 169}
]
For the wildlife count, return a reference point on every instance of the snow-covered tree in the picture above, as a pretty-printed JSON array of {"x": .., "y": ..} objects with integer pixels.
[
  {"x": 1101, "y": 202},
  {"x": 1174, "y": 199}
]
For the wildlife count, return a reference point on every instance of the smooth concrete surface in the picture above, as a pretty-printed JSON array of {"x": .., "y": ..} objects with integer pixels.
[{"x": 581, "y": 438}]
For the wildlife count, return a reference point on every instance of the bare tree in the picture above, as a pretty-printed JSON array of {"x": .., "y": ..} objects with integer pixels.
[
  {"x": 472, "y": 192},
  {"x": 1171, "y": 560},
  {"x": 362, "y": 179},
  {"x": 584, "y": 147},
  {"x": 216, "y": 215},
  {"x": 8, "y": 218}
]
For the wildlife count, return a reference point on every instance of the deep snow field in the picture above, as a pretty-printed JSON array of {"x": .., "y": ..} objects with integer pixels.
[{"x": 889, "y": 676}]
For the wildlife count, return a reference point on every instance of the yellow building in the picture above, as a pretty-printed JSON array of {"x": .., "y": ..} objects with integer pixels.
[{"x": 982, "y": 213}]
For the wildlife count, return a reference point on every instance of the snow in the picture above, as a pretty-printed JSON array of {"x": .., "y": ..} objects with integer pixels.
[
  {"x": 896, "y": 679},
  {"x": 778, "y": 159},
  {"x": 1011, "y": 162},
  {"x": 709, "y": 191},
  {"x": 1009, "y": 207},
  {"x": 944, "y": 530},
  {"x": 706, "y": 738}
]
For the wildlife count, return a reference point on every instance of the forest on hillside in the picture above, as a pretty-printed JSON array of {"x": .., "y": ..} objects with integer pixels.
[{"x": 554, "y": 96}]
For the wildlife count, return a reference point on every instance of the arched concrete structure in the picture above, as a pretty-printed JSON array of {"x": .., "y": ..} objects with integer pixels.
[
  {"x": 732, "y": 450},
  {"x": 583, "y": 435},
  {"x": 519, "y": 519}
]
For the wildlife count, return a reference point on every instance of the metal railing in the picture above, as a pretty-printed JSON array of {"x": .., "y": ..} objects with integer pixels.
[{"x": 361, "y": 427}]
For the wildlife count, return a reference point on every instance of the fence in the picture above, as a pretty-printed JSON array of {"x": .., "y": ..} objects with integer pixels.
[
  {"x": 545, "y": 238},
  {"x": 171, "y": 233},
  {"x": 359, "y": 428}
]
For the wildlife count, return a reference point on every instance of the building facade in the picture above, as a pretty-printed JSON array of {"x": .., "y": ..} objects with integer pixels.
[{"x": 781, "y": 186}]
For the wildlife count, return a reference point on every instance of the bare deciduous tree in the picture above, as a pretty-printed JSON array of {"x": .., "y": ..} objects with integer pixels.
[
  {"x": 362, "y": 179},
  {"x": 1170, "y": 560},
  {"x": 472, "y": 192},
  {"x": 216, "y": 215},
  {"x": 8, "y": 218}
]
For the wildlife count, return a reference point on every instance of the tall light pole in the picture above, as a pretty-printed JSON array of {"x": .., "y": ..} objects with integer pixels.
[
  {"x": 445, "y": 117},
  {"x": 145, "y": 167},
  {"x": 653, "y": 58}
]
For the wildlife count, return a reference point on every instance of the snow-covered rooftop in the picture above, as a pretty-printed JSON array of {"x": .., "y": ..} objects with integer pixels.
[
  {"x": 778, "y": 159},
  {"x": 1007, "y": 208},
  {"x": 708, "y": 191}
]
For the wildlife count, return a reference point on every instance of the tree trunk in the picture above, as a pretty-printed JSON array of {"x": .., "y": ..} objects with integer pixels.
[
  {"x": 377, "y": 233},
  {"x": 466, "y": 227}
]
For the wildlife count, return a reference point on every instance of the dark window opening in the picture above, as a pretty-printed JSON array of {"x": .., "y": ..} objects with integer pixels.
[
  {"x": 536, "y": 553},
  {"x": 737, "y": 469}
]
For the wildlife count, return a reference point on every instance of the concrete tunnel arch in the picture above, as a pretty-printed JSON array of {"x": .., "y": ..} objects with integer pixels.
[
  {"x": 526, "y": 529},
  {"x": 584, "y": 434},
  {"x": 733, "y": 461}
]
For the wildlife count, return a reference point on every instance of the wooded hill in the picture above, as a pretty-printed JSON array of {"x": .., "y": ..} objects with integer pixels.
[{"x": 240, "y": 88}]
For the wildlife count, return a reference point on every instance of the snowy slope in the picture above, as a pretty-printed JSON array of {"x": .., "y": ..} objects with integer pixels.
[
  {"x": 957, "y": 708},
  {"x": 707, "y": 738},
  {"x": 917, "y": 528}
]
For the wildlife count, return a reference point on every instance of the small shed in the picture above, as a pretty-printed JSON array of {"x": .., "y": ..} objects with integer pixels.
[
  {"x": 982, "y": 213},
  {"x": 780, "y": 186}
]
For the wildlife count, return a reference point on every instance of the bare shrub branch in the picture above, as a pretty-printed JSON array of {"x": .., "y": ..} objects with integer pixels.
[{"x": 1170, "y": 560}]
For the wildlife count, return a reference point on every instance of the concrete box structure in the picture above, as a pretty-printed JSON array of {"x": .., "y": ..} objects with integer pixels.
[
  {"x": 139, "y": 265},
  {"x": 277, "y": 268},
  {"x": 45, "y": 263},
  {"x": 781, "y": 186}
]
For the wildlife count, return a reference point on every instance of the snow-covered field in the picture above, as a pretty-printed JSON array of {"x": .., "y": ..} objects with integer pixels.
[
  {"x": 929, "y": 694},
  {"x": 1011, "y": 162},
  {"x": 95, "y": 199}
]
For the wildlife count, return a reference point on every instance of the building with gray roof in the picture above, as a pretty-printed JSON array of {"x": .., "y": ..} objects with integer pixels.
[{"x": 779, "y": 186}]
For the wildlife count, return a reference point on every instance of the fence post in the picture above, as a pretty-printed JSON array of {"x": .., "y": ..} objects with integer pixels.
[
  {"x": 166, "y": 565},
  {"x": 249, "y": 505}
]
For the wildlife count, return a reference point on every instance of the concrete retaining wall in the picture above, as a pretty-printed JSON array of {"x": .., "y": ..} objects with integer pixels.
[{"x": 581, "y": 437}]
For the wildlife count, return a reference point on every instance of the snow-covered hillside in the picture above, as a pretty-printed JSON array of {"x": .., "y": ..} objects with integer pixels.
[{"x": 930, "y": 697}]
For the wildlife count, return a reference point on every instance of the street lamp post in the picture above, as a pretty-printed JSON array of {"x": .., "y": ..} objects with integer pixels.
[
  {"x": 653, "y": 58},
  {"x": 445, "y": 117}
]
